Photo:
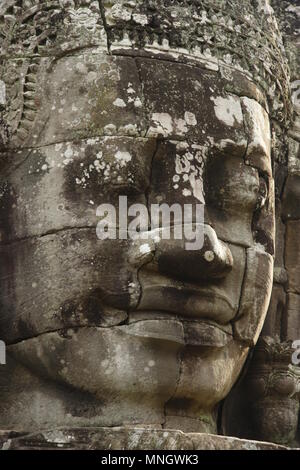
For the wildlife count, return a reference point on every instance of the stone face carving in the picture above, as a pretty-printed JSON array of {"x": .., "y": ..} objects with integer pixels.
[
  {"x": 164, "y": 102},
  {"x": 267, "y": 398}
]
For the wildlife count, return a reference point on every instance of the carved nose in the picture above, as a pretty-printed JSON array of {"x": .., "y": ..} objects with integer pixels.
[{"x": 213, "y": 260}]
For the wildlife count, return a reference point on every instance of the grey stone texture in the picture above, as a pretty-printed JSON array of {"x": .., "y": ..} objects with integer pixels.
[
  {"x": 139, "y": 343},
  {"x": 127, "y": 439}
]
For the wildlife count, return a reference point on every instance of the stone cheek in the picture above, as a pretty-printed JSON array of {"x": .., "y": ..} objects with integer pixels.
[{"x": 127, "y": 373}]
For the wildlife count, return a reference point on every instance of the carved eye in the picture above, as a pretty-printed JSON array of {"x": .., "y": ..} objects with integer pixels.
[{"x": 262, "y": 193}]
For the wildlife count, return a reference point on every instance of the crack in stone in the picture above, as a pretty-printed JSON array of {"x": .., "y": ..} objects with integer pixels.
[
  {"x": 59, "y": 56},
  {"x": 46, "y": 234},
  {"x": 18, "y": 165},
  {"x": 180, "y": 362},
  {"x": 62, "y": 330},
  {"x": 105, "y": 25},
  {"x": 144, "y": 107},
  {"x": 103, "y": 137}
]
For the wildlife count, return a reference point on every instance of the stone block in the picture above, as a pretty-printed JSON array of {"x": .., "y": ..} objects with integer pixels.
[
  {"x": 291, "y": 324},
  {"x": 292, "y": 255}
]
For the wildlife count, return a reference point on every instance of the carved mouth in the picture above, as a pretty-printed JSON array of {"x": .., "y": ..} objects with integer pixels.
[
  {"x": 189, "y": 302},
  {"x": 172, "y": 327},
  {"x": 204, "y": 312}
]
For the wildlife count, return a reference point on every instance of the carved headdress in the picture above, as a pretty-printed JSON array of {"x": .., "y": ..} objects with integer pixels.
[{"x": 221, "y": 33}]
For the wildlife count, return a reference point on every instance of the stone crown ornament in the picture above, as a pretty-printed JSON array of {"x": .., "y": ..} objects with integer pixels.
[{"x": 243, "y": 36}]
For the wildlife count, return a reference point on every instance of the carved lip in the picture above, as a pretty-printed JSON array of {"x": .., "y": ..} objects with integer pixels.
[
  {"x": 189, "y": 302},
  {"x": 201, "y": 333}
]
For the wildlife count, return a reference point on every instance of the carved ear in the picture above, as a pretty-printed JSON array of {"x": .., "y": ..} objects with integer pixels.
[{"x": 254, "y": 301}]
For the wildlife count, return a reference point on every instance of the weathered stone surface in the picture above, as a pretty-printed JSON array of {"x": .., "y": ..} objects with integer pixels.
[
  {"x": 193, "y": 155},
  {"x": 69, "y": 27},
  {"x": 87, "y": 106},
  {"x": 219, "y": 302},
  {"x": 45, "y": 290},
  {"x": 211, "y": 258},
  {"x": 254, "y": 299},
  {"x": 60, "y": 186},
  {"x": 292, "y": 255},
  {"x": 273, "y": 391},
  {"x": 291, "y": 210},
  {"x": 276, "y": 313},
  {"x": 280, "y": 241},
  {"x": 170, "y": 117},
  {"x": 161, "y": 102},
  {"x": 213, "y": 442},
  {"x": 265, "y": 403},
  {"x": 231, "y": 214},
  {"x": 129, "y": 372},
  {"x": 263, "y": 224},
  {"x": 276, "y": 419},
  {"x": 291, "y": 327},
  {"x": 6, "y": 435},
  {"x": 129, "y": 439},
  {"x": 258, "y": 128},
  {"x": 294, "y": 155},
  {"x": 193, "y": 406}
]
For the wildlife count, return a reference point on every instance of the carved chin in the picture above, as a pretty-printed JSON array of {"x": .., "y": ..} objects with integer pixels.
[{"x": 142, "y": 371}]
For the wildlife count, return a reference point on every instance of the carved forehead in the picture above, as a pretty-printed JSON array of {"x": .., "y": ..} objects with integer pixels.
[
  {"x": 90, "y": 95},
  {"x": 206, "y": 30}
]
